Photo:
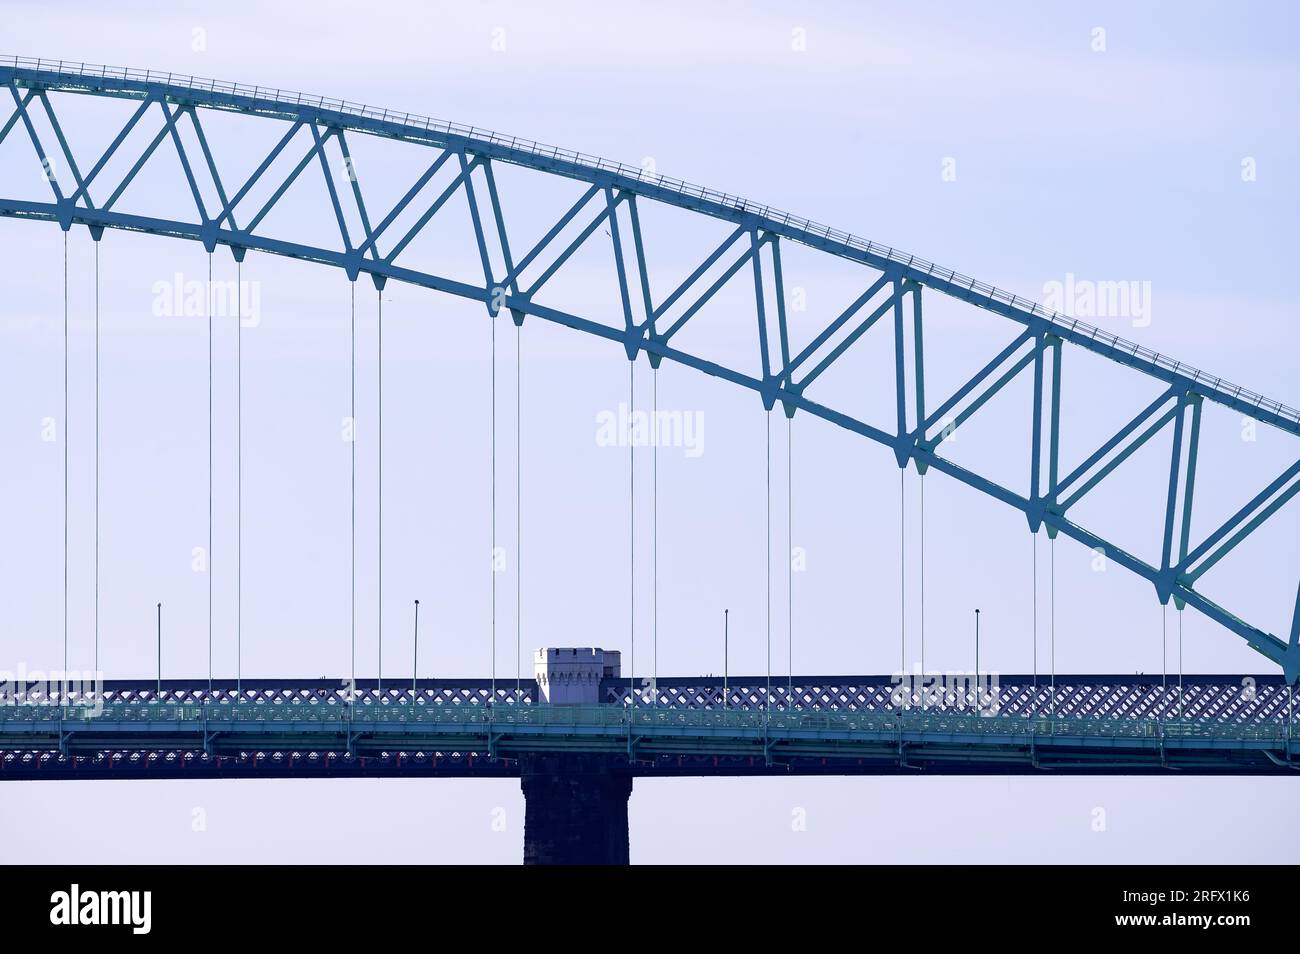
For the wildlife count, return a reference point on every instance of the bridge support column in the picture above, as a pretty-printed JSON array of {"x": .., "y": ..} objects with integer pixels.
[{"x": 575, "y": 808}]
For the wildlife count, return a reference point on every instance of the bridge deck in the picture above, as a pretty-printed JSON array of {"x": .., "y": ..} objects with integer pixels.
[{"x": 858, "y": 725}]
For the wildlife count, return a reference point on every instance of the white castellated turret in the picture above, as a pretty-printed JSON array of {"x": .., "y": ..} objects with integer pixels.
[{"x": 570, "y": 677}]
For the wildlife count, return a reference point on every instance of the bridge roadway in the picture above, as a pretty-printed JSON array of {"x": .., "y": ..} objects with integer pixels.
[
  {"x": 836, "y": 725},
  {"x": 576, "y": 763}
]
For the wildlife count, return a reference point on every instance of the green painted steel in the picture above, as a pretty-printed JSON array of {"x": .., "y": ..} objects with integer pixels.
[{"x": 140, "y": 724}]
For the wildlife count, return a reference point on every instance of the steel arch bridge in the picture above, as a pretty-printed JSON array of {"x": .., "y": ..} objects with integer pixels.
[
  {"x": 892, "y": 290},
  {"x": 181, "y": 728},
  {"x": 892, "y": 284}
]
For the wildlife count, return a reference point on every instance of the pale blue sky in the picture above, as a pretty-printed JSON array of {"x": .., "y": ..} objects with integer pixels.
[{"x": 1121, "y": 165}]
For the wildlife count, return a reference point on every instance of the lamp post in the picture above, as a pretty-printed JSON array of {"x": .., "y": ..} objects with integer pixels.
[
  {"x": 726, "y": 645},
  {"x": 415, "y": 653}
]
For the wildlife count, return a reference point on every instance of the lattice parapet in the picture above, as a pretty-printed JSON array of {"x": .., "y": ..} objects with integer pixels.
[
  {"x": 1227, "y": 699},
  {"x": 469, "y": 692}
]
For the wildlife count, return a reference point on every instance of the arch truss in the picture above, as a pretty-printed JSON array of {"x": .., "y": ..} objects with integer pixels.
[{"x": 893, "y": 288}]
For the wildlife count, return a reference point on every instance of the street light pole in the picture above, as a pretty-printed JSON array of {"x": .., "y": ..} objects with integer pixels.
[
  {"x": 977, "y": 660},
  {"x": 415, "y": 655},
  {"x": 726, "y": 648}
]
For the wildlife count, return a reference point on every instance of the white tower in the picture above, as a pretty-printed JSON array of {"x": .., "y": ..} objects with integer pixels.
[{"x": 571, "y": 677}]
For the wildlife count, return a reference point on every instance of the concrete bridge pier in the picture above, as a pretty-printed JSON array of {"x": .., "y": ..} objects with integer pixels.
[
  {"x": 575, "y": 802},
  {"x": 575, "y": 808}
]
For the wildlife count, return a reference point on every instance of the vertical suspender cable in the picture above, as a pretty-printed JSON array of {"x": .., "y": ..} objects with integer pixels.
[
  {"x": 96, "y": 459},
  {"x": 631, "y": 519},
  {"x": 210, "y": 568},
  {"x": 789, "y": 533},
  {"x": 902, "y": 574},
  {"x": 1034, "y": 622},
  {"x": 1164, "y": 658},
  {"x": 379, "y": 488},
  {"x": 1052, "y": 619},
  {"x": 519, "y": 514},
  {"x": 767, "y": 701},
  {"x": 922, "y": 582},
  {"x": 352, "y": 421},
  {"x": 239, "y": 476},
  {"x": 1180, "y": 665},
  {"x": 65, "y": 456},
  {"x": 492, "y": 321},
  {"x": 654, "y": 532}
]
